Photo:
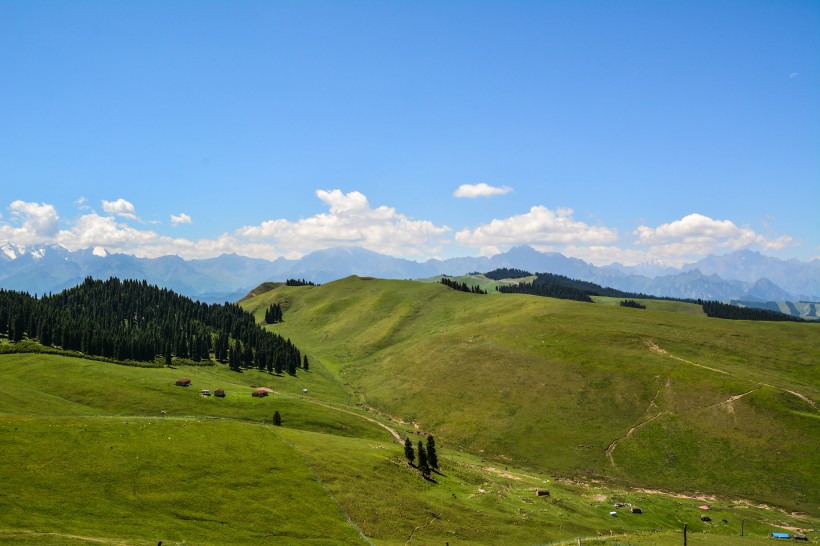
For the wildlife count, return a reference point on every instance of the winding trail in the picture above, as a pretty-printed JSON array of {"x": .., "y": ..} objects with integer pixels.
[
  {"x": 611, "y": 449},
  {"x": 396, "y": 436},
  {"x": 804, "y": 398},
  {"x": 652, "y": 346},
  {"x": 731, "y": 398},
  {"x": 658, "y": 350}
]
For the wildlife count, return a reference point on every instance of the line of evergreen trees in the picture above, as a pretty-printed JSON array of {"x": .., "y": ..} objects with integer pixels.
[
  {"x": 132, "y": 320},
  {"x": 462, "y": 286},
  {"x": 298, "y": 282},
  {"x": 551, "y": 286},
  {"x": 273, "y": 314},
  {"x": 716, "y": 309},
  {"x": 507, "y": 273},
  {"x": 428, "y": 457},
  {"x": 559, "y": 286},
  {"x": 632, "y": 303}
]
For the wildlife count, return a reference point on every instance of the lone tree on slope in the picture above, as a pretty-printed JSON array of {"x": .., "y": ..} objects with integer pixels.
[
  {"x": 423, "y": 466},
  {"x": 432, "y": 456},
  {"x": 408, "y": 451}
]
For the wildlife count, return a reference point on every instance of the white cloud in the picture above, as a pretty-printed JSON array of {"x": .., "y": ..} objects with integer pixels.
[
  {"x": 342, "y": 202},
  {"x": 179, "y": 219},
  {"x": 696, "y": 235},
  {"x": 471, "y": 191},
  {"x": 94, "y": 230},
  {"x": 38, "y": 219},
  {"x": 120, "y": 207},
  {"x": 794, "y": 75},
  {"x": 350, "y": 222},
  {"x": 539, "y": 227}
]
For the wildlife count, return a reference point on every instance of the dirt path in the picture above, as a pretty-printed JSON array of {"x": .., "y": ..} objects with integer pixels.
[
  {"x": 657, "y": 350},
  {"x": 804, "y": 398},
  {"x": 392, "y": 431},
  {"x": 611, "y": 449},
  {"x": 73, "y": 538},
  {"x": 733, "y": 398}
]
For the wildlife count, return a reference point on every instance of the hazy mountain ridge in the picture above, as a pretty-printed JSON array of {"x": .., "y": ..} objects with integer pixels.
[{"x": 741, "y": 275}]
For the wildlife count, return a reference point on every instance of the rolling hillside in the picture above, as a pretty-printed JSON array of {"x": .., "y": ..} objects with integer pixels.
[
  {"x": 643, "y": 398},
  {"x": 96, "y": 453},
  {"x": 604, "y": 407}
]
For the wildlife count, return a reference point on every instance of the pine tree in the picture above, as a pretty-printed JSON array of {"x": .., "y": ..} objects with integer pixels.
[
  {"x": 423, "y": 465},
  {"x": 277, "y": 419},
  {"x": 305, "y": 364},
  {"x": 408, "y": 451},
  {"x": 432, "y": 456}
]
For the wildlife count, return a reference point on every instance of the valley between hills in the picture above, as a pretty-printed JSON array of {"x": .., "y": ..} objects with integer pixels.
[{"x": 597, "y": 407}]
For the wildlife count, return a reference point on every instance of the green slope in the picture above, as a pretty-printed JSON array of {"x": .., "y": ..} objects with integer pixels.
[
  {"x": 176, "y": 480},
  {"x": 88, "y": 458},
  {"x": 566, "y": 387}
]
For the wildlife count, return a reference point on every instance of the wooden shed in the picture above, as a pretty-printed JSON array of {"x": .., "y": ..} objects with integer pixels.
[
  {"x": 259, "y": 393},
  {"x": 183, "y": 382},
  {"x": 220, "y": 393}
]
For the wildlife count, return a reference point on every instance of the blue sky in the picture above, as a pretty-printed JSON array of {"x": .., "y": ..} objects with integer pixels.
[{"x": 611, "y": 131}]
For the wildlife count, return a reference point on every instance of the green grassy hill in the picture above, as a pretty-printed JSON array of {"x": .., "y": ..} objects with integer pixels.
[
  {"x": 644, "y": 398},
  {"x": 597, "y": 404},
  {"x": 89, "y": 458}
]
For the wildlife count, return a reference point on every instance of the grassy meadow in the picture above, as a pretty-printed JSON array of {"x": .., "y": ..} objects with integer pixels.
[
  {"x": 89, "y": 458},
  {"x": 649, "y": 398},
  {"x": 659, "y": 408}
]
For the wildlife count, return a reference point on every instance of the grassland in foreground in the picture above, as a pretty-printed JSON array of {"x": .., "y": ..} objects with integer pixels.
[{"x": 89, "y": 458}]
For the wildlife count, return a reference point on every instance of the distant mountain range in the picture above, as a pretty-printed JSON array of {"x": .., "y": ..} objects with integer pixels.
[{"x": 742, "y": 275}]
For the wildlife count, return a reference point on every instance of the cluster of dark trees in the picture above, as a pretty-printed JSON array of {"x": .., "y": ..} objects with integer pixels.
[
  {"x": 462, "y": 286},
  {"x": 299, "y": 282},
  {"x": 132, "y": 320},
  {"x": 559, "y": 286},
  {"x": 507, "y": 273},
  {"x": 632, "y": 303},
  {"x": 725, "y": 311},
  {"x": 552, "y": 286},
  {"x": 428, "y": 458},
  {"x": 273, "y": 314}
]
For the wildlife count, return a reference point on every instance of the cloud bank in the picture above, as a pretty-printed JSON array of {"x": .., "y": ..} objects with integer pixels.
[{"x": 350, "y": 220}]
